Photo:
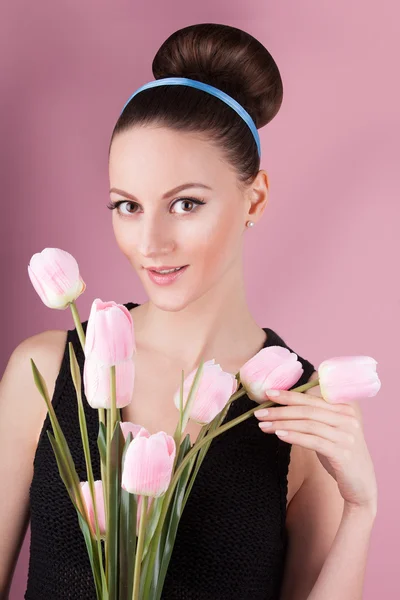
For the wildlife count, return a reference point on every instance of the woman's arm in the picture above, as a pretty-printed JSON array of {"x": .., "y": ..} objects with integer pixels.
[
  {"x": 342, "y": 575},
  {"x": 328, "y": 538},
  {"x": 22, "y": 412},
  {"x": 328, "y": 542}
]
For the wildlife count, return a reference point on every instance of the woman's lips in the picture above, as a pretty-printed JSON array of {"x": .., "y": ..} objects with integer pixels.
[{"x": 168, "y": 278}]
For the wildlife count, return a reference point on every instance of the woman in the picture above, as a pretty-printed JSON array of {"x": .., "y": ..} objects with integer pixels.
[{"x": 185, "y": 182}]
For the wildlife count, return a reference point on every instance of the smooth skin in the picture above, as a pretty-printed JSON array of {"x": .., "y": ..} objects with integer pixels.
[
  {"x": 22, "y": 412},
  {"x": 207, "y": 306}
]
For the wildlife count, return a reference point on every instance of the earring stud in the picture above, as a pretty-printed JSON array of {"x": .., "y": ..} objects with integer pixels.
[{"x": 249, "y": 224}]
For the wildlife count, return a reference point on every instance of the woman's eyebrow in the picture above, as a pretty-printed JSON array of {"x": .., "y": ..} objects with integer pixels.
[{"x": 175, "y": 190}]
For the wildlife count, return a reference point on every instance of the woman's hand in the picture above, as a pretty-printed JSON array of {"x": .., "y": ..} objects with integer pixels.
[{"x": 334, "y": 431}]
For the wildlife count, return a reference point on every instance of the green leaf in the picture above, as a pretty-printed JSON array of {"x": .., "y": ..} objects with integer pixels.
[
  {"x": 112, "y": 532},
  {"x": 173, "y": 517},
  {"x": 101, "y": 442},
  {"x": 161, "y": 549},
  {"x": 127, "y": 533},
  {"x": 153, "y": 558},
  {"x": 76, "y": 377},
  {"x": 58, "y": 435},
  {"x": 40, "y": 382},
  {"x": 74, "y": 368},
  {"x": 93, "y": 556},
  {"x": 152, "y": 523},
  {"x": 63, "y": 468},
  {"x": 97, "y": 571}
]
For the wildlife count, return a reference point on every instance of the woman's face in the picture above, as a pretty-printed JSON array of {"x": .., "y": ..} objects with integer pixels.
[{"x": 152, "y": 230}]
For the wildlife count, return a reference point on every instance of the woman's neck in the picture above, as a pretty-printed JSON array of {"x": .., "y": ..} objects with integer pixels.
[{"x": 215, "y": 325}]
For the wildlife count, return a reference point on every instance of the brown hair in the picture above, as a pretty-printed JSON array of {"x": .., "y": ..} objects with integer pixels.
[{"x": 227, "y": 58}]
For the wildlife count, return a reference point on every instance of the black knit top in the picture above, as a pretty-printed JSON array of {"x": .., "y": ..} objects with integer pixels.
[{"x": 231, "y": 540}]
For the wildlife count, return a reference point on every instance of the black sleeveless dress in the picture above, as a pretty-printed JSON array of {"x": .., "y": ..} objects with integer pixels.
[{"x": 224, "y": 549}]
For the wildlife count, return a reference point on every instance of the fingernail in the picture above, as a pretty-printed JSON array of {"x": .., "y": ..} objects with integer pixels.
[
  {"x": 265, "y": 424},
  {"x": 272, "y": 392},
  {"x": 263, "y": 412}
]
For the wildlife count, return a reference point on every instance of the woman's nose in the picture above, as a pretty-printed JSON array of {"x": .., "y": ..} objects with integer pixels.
[{"x": 155, "y": 238}]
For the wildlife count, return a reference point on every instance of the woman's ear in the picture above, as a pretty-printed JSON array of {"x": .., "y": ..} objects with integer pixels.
[{"x": 258, "y": 195}]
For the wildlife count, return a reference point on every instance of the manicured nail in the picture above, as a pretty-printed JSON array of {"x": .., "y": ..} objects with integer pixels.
[
  {"x": 265, "y": 424},
  {"x": 281, "y": 432},
  {"x": 272, "y": 392},
  {"x": 263, "y": 412}
]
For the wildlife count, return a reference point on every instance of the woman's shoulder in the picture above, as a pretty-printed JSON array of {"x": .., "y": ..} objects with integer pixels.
[{"x": 46, "y": 349}]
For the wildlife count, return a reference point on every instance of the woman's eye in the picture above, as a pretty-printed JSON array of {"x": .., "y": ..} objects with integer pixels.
[
  {"x": 184, "y": 202},
  {"x": 190, "y": 201},
  {"x": 120, "y": 203}
]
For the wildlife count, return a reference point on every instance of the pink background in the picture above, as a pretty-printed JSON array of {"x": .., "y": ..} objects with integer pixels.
[{"x": 328, "y": 243}]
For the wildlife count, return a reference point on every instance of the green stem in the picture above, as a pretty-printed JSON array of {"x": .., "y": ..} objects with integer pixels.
[
  {"x": 109, "y": 428},
  {"x": 78, "y": 324},
  {"x": 203, "y": 451},
  {"x": 229, "y": 425},
  {"x": 139, "y": 548},
  {"x": 102, "y": 419},
  {"x": 108, "y": 479},
  {"x": 113, "y": 398},
  {"x": 178, "y": 430},
  {"x": 89, "y": 470},
  {"x": 196, "y": 447},
  {"x": 110, "y": 542},
  {"x": 82, "y": 339}
]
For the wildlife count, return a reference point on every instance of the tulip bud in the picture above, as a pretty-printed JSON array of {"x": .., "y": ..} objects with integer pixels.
[
  {"x": 274, "y": 368},
  {"x": 97, "y": 383},
  {"x": 110, "y": 341},
  {"x": 110, "y": 335},
  {"x": 132, "y": 428},
  {"x": 54, "y": 274},
  {"x": 148, "y": 464},
  {"x": 99, "y": 499},
  {"x": 347, "y": 379},
  {"x": 215, "y": 389}
]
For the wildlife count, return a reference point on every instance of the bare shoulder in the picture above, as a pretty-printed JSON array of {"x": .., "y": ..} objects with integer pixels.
[
  {"x": 46, "y": 349},
  {"x": 43, "y": 343}
]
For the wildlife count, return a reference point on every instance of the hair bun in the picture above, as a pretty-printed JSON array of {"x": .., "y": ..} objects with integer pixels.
[{"x": 227, "y": 58}]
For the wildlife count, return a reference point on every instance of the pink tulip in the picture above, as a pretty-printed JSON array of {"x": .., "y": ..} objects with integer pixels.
[
  {"x": 99, "y": 499},
  {"x": 148, "y": 464},
  {"x": 54, "y": 274},
  {"x": 347, "y": 379},
  {"x": 273, "y": 367},
  {"x": 215, "y": 388},
  {"x": 97, "y": 383},
  {"x": 110, "y": 337},
  {"x": 132, "y": 428},
  {"x": 110, "y": 341}
]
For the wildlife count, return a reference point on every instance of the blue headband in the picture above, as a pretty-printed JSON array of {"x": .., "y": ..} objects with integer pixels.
[{"x": 211, "y": 90}]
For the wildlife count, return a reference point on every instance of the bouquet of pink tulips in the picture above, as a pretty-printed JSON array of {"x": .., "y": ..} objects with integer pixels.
[{"x": 133, "y": 512}]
